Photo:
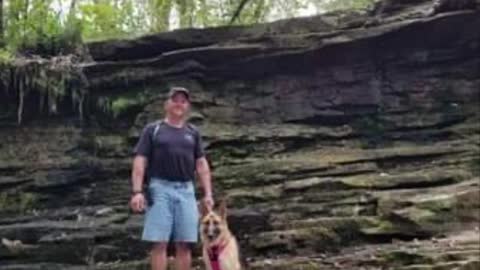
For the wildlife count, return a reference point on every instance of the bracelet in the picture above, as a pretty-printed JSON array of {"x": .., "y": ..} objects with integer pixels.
[{"x": 135, "y": 192}]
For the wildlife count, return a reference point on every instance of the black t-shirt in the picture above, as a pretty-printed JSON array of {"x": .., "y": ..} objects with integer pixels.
[{"x": 171, "y": 151}]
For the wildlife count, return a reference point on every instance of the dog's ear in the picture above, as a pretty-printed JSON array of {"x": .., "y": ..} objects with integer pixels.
[
  {"x": 202, "y": 208},
  {"x": 222, "y": 208}
]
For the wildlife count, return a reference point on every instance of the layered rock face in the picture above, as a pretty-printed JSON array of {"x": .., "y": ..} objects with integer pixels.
[{"x": 344, "y": 141}]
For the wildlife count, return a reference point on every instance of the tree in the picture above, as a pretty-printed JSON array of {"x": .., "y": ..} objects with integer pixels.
[
  {"x": 159, "y": 14},
  {"x": 237, "y": 12},
  {"x": 28, "y": 23},
  {"x": 344, "y": 4},
  {"x": 1, "y": 23}
]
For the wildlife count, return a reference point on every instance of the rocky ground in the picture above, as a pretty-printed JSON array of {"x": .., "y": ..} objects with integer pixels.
[{"x": 344, "y": 141}]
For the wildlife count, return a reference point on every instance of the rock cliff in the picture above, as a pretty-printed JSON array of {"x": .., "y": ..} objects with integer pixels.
[{"x": 348, "y": 140}]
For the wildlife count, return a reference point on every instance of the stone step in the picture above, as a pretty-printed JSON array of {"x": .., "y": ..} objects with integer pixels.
[{"x": 461, "y": 265}]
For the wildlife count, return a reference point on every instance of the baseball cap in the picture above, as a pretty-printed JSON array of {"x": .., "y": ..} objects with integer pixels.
[{"x": 175, "y": 90}]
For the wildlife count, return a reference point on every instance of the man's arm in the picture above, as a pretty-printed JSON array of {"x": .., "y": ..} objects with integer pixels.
[
  {"x": 137, "y": 202},
  {"x": 138, "y": 172},
  {"x": 141, "y": 151},
  {"x": 203, "y": 171}
]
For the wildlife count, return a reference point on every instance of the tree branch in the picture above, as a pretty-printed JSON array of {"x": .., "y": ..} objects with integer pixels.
[{"x": 238, "y": 11}]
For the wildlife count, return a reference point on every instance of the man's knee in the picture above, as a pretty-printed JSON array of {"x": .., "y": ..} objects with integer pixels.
[
  {"x": 182, "y": 249},
  {"x": 159, "y": 248}
]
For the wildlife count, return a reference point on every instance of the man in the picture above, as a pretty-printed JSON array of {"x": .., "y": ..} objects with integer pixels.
[{"x": 171, "y": 150}]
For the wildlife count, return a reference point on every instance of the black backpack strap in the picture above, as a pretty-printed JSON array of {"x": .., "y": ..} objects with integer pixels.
[
  {"x": 156, "y": 128},
  {"x": 192, "y": 127},
  {"x": 153, "y": 134},
  {"x": 146, "y": 178}
]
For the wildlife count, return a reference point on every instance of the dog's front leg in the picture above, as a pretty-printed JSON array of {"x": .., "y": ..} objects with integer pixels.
[{"x": 206, "y": 260}]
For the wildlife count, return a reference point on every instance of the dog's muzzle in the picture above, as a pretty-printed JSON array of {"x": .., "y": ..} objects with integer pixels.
[{"x": 212, "y": 234}]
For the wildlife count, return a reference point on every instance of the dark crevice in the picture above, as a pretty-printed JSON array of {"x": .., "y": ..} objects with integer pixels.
[
  {"x": 404, "y": 159},
  {"x": 420, "y": 184},
  {"x": 386, "y": 238}
]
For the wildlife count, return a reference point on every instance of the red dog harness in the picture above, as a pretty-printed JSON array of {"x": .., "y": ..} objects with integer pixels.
[{"x": 214, "y": 255}]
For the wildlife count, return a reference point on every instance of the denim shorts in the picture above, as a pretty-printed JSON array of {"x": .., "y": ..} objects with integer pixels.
[{"x": 172, "y": 213}]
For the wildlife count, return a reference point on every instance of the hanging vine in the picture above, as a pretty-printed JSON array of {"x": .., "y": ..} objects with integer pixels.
[{"x": 48, "y": 80}]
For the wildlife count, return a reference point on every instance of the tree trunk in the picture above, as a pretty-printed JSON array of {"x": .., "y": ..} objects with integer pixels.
[
  {"x": 71, "y": 11},
  {"x": 25, "y": 20},
  {"x": 238, "y": 11},
  {"x": 160, "y": 14},
  {"x": 73, "y": 5},
  {"x": 1, "y": 24}
]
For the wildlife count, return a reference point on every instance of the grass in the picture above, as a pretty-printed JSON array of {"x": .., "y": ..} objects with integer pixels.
[
  {"x": 17, "y": 203},
  {"x": 5, "y": 56}
]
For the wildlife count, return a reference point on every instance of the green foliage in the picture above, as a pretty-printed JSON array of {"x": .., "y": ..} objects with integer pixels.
[
  {"x": 109, "y": 19},
  {"x": 17, "y": 203},
  {"x": 345, "y": 4},
  {"x": 33, "y": 26},
  {"x": 5, "y": 56},
  {"x": 217, "y": 13},
  {"x": 372, "y": 127},
  {"x": 49, "y": 81},
  {"x": 57, "y": 26},
  {"x": 474, "y": 164},
  {"x": 118, "y": 106}
]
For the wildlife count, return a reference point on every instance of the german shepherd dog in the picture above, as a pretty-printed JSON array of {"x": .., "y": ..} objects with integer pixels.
[{"x": 220, "y": 248}]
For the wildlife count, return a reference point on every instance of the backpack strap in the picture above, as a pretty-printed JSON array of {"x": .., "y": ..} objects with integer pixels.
[
  {"x": 192, "y": 127},
  {"x": 159, "y": 123},
  {"x": 156, "y": 128},
  {"x": 146, "y": 176}
]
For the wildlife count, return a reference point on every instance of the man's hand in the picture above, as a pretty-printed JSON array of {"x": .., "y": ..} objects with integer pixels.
[
  {"x": 209, "y": 203},
  {"x": 137, "y": 202}
]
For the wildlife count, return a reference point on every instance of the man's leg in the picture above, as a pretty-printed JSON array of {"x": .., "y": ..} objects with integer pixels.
[
  {"x": 158, "y": 223},
  {"x": 158, "y": 256},
  {"x": 185, "y": 228},
  {"x": 183, "y": 256}
]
